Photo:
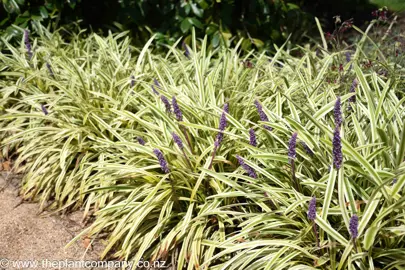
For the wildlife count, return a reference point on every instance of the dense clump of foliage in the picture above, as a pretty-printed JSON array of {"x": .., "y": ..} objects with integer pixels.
[{"x": 207, "y": 159}]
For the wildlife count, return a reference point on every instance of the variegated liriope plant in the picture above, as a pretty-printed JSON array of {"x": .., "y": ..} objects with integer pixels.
[{"x": 206, "y": 162}]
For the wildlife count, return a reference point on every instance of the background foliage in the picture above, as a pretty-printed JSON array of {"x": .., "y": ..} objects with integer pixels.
[
  {"x": 261, "y": 22},
  {"x": 395, "y": 5}
]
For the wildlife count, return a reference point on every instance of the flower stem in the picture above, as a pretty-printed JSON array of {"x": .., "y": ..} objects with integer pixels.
[
  {"x": 210, "y": 166},
  {"x": 212, "y": 158},
  {"x": 354, "y": 244},
  {"x": 184, "y": 129},
  {"x": 316, "y": 233},
  {"x": 294, "y": 179},
  {"x": 174, "y": 196},
  {"x": 187, "y": 159}
]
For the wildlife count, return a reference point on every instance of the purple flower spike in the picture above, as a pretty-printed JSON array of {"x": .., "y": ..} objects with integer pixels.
[
  {"x": 312, "y": 209},
  {"x": 337, "y": 149},
  {"x": 222, "y": 126},
  {"x": 177, "y": 140},
  {"x": 140, "y": 140},
  {"x": 394, "y": 181},
  {"x": 48, "y": 66},
  {"x": 292, "y": 147},
  {"x": 307, "y": 149},
  {"x": 218, "y": 139},
  {"x": 176, "y": 109},
  {"x": 223, "y": 121},
  {"x": 348, "y": 57},
  {"x": 262, "y": 114},
  {"x": 27, "y": 43},
  {"x": 156, "y": 82},
  {"x": 154, "y": 90},
  {"x": 252, "y": 137},
  {"x": 162, "y": 161},
  {"x": 44, "y": 110},
  {"x": 186, "y": 51},
  {"x": 337, "y": 112},
  {"x": 246, "y": 167},
  {"x": 353, "y": 90},
  {"x": 27, "y": 39},
  {"x": 167, "y": 103},
  {"x": 226, "y": 107},
  {"x": 353, "y": 226},
  {"x": 132, "y": 80}
]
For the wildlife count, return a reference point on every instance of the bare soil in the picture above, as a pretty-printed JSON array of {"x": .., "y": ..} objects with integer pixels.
[{"x": 27, "y": 235}]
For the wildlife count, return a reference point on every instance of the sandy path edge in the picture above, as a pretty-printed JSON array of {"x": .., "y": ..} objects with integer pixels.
[{"x": 25, "y": 235}]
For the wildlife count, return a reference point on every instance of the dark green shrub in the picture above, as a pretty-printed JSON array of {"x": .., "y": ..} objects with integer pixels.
[{"x": 260, "y": 22}]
